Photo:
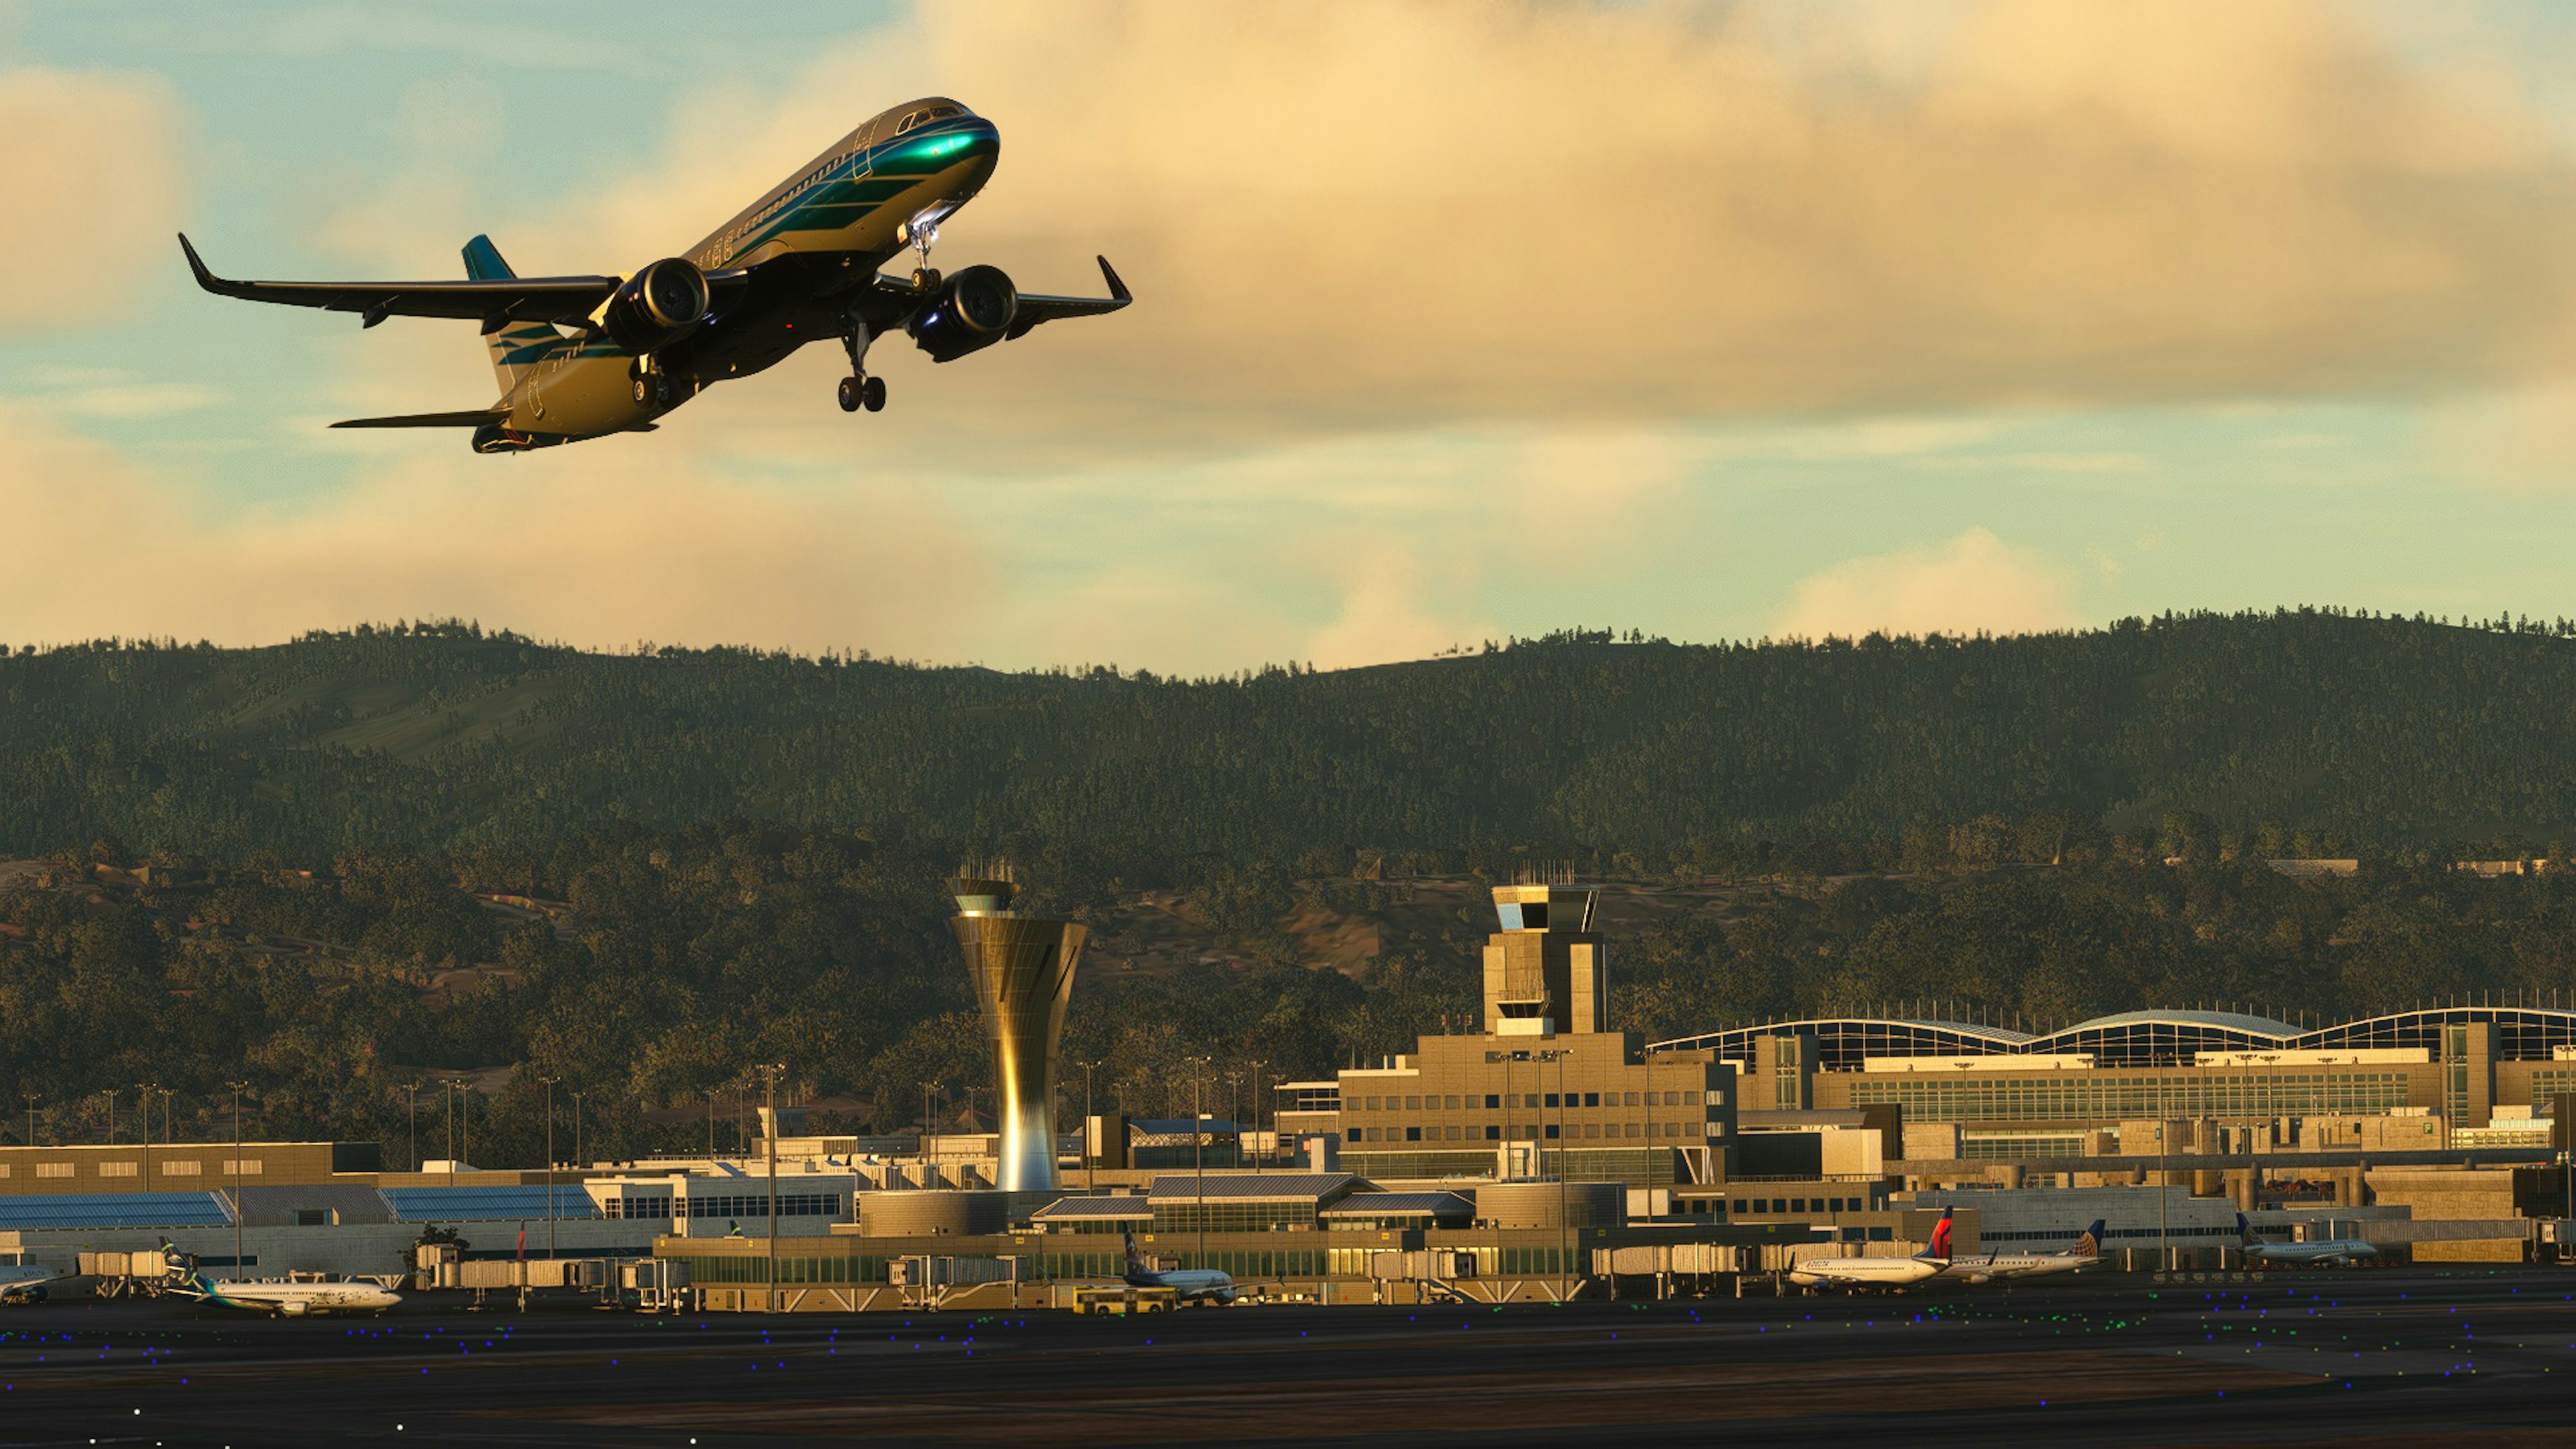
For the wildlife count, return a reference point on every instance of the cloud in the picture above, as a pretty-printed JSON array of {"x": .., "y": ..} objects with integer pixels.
[
  {"x": 1972, "y": 583},
  {"x": 91, "y": 170},
  {"x": 604, "y": 544},
  {"x": 1386, "y": 613}
]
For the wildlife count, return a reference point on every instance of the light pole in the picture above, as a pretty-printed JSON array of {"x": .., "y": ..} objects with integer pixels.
[
  {"x": 769, "y": 1073},
  {"x": 551, "y": 1175},
  {"x": 237, "y": 1178},
  {"x": 31, "y": 1117},
  {"x": 1090, "y": 1159},
  {"x": 415, "y": 1124},
  {"x": 1254, "y": 1077},
  {"x": 144, "y": 1090},
  {"x": 1557, "y": 1056},
  {"x": 1198, "y": 1148},
  {"x": 578, "y": 1160},
  {"x": 929, "y": 1157},
  {"x": 110, "y": 1094}
]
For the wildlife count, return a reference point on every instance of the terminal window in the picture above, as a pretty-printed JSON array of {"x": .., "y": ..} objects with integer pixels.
[
  {"x": 116, "y": 1169},
  {"x": 53, "y": 1169},
  {"x": 1493, "y": 1099}
]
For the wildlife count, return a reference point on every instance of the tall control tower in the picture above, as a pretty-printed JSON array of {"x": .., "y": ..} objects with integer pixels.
[{"x": 1022, "y": 970}]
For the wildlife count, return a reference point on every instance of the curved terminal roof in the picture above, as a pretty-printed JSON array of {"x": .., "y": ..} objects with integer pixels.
[
  {"x": 2219, "y": 1020},
  {"x": 2132, "y": 1038}
]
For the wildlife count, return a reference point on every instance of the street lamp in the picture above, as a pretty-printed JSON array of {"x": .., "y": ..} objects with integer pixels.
[{"x": 929, "y": 1159}]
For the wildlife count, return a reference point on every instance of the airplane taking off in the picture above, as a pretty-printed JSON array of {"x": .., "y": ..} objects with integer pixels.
[
  {"x": 2008, "y": 1266},
  {"x": 1895, "y": 1274},
  {"x": 584, "y": 357},
  {"x": 1189, "y": 1283},
  {"x": 2331, "y": 1251}
]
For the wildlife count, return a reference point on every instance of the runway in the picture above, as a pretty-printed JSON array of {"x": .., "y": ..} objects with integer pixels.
[{"x": 2387, "y": 1356}]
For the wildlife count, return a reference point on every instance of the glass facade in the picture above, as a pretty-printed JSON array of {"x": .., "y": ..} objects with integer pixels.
[{"x": 2105, "y": 1099}]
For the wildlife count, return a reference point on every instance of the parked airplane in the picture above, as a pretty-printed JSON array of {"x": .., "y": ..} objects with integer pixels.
[
  {"x": 24, "y": 1282},
  {"x": 583, "y": 357},
  {"x": 1895, "y": 1274},
  {"x": 280, "y": 1300},
  {"x": 2330, "y": 1251},
  {"x": 1190, "y": 1283},
  {"x": 2008, "y": 1266}
]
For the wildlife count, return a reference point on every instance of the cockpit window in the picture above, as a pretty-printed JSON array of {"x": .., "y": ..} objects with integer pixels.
[{"x": 923, "y": 118}]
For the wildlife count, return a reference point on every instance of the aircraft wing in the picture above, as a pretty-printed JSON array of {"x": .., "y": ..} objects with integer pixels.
[
  {"x": 519, "y": 299},
  {"x": 1036, "y": 309},
  {"x": 568, "y": 300}
]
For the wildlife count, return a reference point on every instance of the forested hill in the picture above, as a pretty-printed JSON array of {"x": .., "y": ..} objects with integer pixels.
[{"x": 2370, "y": 731}]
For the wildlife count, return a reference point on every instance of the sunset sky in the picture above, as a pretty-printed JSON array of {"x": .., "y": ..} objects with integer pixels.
[{"x": 1452, "y": 322}]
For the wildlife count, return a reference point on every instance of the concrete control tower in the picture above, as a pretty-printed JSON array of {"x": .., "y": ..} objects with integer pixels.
[{"x": 1022, "y": 970}]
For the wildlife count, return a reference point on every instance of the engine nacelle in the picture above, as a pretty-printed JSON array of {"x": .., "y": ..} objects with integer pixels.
[
  {"x": 294, "y": 1308},
  {"x": 973, "y": 311},
  {"x": 657, "y": 306}
]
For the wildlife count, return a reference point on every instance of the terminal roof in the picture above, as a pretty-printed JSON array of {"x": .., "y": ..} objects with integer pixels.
[{"x": 1252, "y": 1186}]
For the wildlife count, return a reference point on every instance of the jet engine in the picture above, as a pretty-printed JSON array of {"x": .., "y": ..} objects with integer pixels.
[
  {"x": 293, "y": 1308},
  {"x": 657, "y": 306},
  {"x": 973, "y": 311}
]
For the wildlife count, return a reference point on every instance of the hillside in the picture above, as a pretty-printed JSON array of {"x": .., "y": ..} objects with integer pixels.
[{"x": 2376, "y": 731}]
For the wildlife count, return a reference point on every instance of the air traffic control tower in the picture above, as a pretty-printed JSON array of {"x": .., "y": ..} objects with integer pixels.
[{"x": 1022, "y": 970}]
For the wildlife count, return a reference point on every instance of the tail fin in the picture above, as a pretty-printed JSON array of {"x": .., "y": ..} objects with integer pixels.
[
  {"x": 2090, "y": 1245},
  {"x": 1938, "y": 1250},
  {"x": 2245, "y": 1234},
  {"x": 515, "y": 346},
  {"x": 1135, "y": 1263}
]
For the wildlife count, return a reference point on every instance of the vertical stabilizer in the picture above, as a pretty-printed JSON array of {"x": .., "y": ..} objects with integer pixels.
[{"x": 515, "y": 346}]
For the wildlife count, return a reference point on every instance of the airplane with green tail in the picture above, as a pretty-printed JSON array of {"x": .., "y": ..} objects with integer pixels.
[{"x": 587, "y": 357}]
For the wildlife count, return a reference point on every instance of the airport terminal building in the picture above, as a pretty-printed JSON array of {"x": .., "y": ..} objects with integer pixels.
[{"x": 2441, "y": 1078}]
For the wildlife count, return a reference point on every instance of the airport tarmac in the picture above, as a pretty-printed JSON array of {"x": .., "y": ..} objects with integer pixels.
[{"x": 2384, "y": 1356}]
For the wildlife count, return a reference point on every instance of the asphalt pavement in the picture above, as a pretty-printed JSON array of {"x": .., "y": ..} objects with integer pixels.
[{"x": 2387, "y": 1355}]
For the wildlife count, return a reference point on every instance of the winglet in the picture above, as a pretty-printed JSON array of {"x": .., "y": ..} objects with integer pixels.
[
  {"x": 197, "y": 264},
  {"x": 1117, "y": 288}
]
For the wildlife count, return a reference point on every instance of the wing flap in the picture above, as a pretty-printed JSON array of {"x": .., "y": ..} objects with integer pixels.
[{"x": 519, "y": 299}]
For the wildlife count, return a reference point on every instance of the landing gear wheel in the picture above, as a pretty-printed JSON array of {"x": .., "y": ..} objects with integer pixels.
[
  {"x": 850, "y": 394},
  {"x": 925, "y": 279},
  {"x": 652, "y": 390},
  {"x": 643, "y": 390},
  {"x": 872, "y": 395}
]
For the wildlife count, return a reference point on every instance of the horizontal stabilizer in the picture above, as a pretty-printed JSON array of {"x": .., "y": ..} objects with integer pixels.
[{"x": 474, "y": 419}]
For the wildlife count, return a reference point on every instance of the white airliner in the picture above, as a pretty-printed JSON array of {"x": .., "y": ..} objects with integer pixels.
[
  {"x": 1894, "y": 1274},
  {"x": 1190, "y": 1283},
  {"x": 2007, "y": 1266},
  {"x": 281, "y": 1300},
  {"x": 24, "y": 1282},
  {"x": 2331, "y": 1251}
]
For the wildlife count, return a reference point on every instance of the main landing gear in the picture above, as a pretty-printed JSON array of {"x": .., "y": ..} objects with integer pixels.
[
  {"x": 859, "y": 390},
  {"x": 863, "y": 392},
  {"x": 652, "y": 388}
]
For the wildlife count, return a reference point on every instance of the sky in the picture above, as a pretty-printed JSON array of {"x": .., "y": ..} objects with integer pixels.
[{"x": 1453, "y": 322}]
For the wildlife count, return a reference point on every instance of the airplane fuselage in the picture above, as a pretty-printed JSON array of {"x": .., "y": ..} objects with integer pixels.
[
  {"x": 817, "y": 239},
  {"x": 1189, "y": 1283},
  {"x": 295, "y": 1300},
  {"x": 1863, "y": 1272}
]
